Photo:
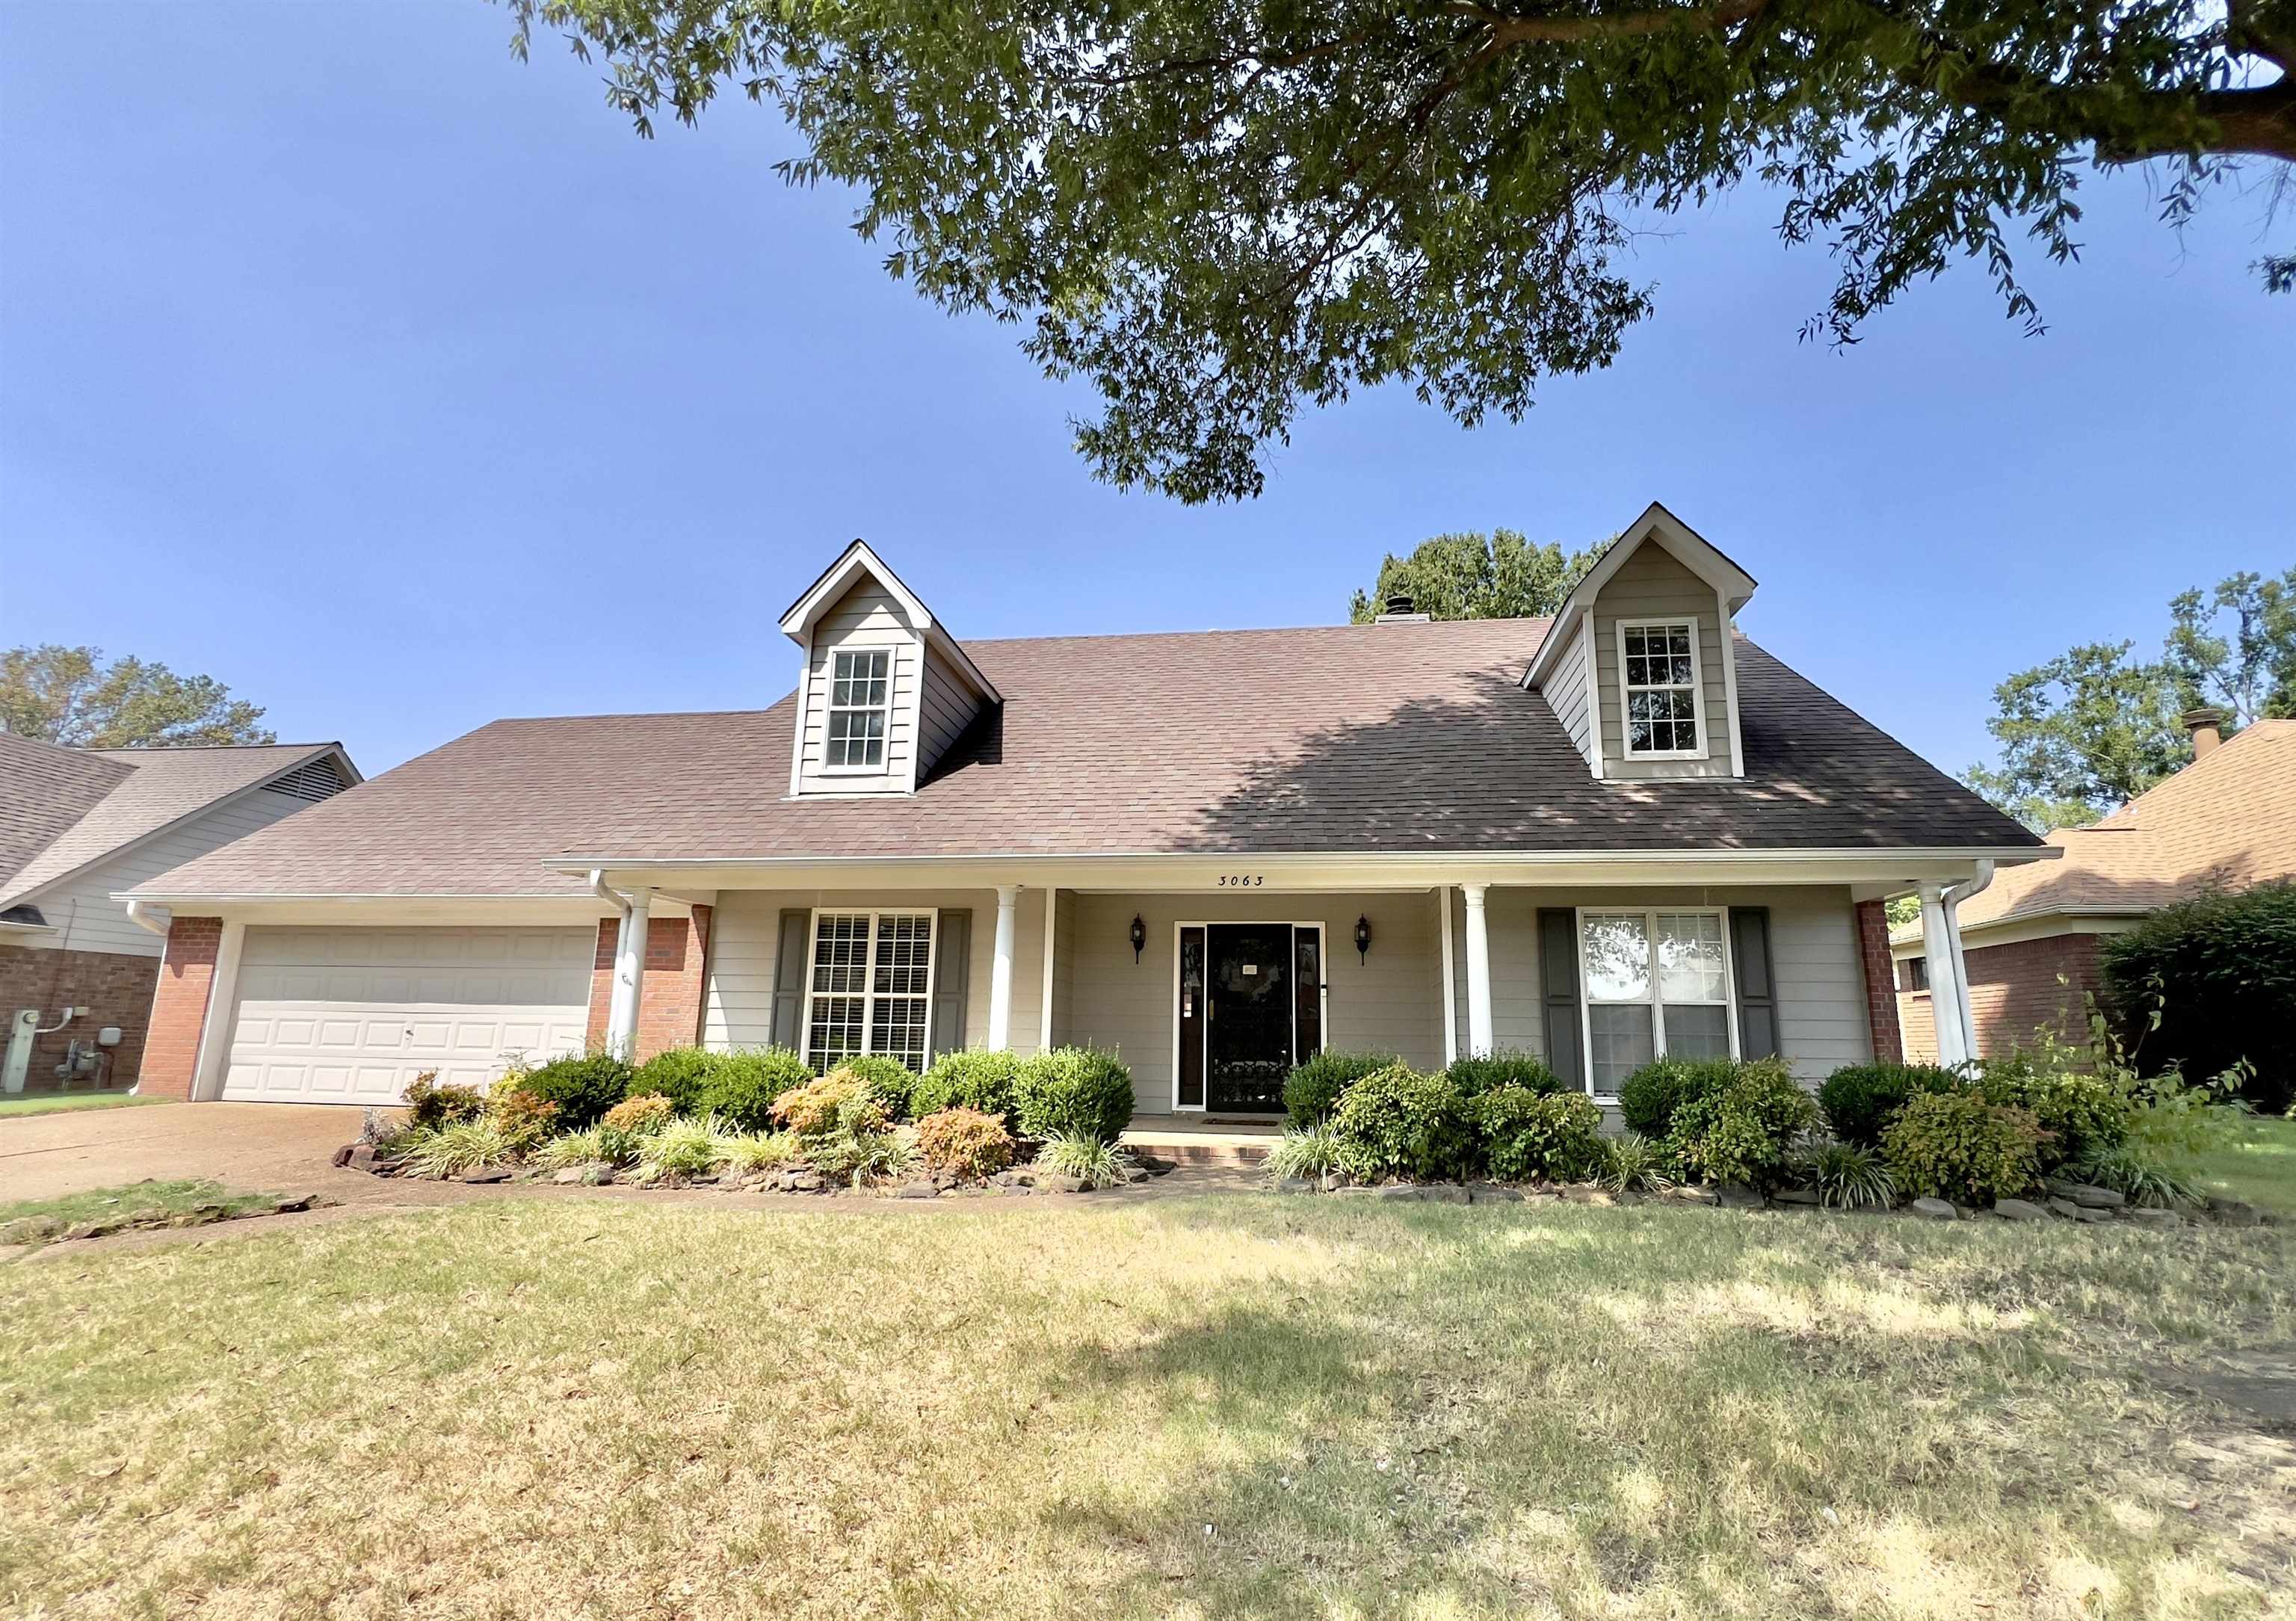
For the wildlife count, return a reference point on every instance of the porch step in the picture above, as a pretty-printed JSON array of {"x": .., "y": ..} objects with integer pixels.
[{"x": 1199, "y": 1145}]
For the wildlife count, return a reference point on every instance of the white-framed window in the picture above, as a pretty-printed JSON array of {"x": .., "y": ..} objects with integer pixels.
[
  {"x": 1652, "y": 982},
  {"x": 860, "y": 703},
  {"x": 1661, "y": 715},
  {"x": 869, "y": 986}
]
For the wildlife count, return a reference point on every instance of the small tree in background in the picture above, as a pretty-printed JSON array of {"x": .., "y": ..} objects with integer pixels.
[
  {"x": 1469, "y": 576},
  {"x": 69, "y": 696},
  {"x": 2218, "y": 974}
]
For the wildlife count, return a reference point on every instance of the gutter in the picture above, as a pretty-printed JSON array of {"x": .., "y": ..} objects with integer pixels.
[{"x": 137, "y": 915}]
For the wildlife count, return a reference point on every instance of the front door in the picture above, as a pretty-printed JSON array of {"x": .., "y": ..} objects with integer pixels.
[{"x": 1262, "y": 1012}]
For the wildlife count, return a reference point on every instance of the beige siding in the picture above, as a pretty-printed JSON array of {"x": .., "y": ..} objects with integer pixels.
[
  {"x": 1821, "y": 986},
  {"x": 86, "y": 917},
  {"x": 1567, "y": 695},
  {"x": 1651, "y": 585},
  {"x": 738, "y": 1002},
  {"x": 866, "y": 617},
  {"x": 1387, "y": 1000},
  {"x": 946, "y": 708}
]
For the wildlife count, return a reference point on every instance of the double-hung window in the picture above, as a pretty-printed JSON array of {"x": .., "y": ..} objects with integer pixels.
[
  {"x": 870, "y": 988},
  {"x": 859, "y": 701},
  {"x": 1657, "y": 983},
  {"x": 1658, "y": 665}
]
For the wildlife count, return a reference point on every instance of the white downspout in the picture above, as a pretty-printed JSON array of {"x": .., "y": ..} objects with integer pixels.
[
  {"x": 1945, "y": 996},
  {"x": 142, "y": 919},
  {"x": 629, "y": 964},
  {"x": 1950, "y": 900}
]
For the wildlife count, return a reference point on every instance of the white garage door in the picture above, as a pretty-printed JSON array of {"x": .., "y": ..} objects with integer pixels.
[{"x": 352, "y": 1015}]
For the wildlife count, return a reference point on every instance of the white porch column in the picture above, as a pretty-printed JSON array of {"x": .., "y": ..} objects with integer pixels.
[
  {"x": 1478, "y": 971},
  {"x": 1944, "y": 977},
  {"x": 1000, "y": 970},
  {"x": 1051, "y": 930},
  {"x": 629, "y": 974},
  {"x": 1450, "y": 979}
]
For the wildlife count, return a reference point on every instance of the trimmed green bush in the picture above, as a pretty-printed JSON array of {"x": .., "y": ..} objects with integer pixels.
[
  {"x": 974, "y": 1077},
  {"x": 1744, "y": 1127},
  {"x": 2220, "y": 972},
  {"x": 1649, "y": 1097},
  {"x": 432, "y": 1103},
  {"x": 1956, "y": 1145},
  {"x": 1858, "y": 1100},
  {"x": 743, "y": 1085},
  {"x": 680, "y": 1074},
  {"x": 2081, "y": 1111},
  {"x": 1073, "y": 1092},
  {"x": 1397, "y": 1122},
  {"x": 584, "y": 1087},
  {"x": 1474, "y": 1076},
  {"x": 1526, "y": 1134},
  {"x": 888, "y": 1077},
  {"x": 1311, "y": 1092}
]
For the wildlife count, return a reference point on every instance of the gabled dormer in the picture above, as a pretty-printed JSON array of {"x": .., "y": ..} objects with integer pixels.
[
  {"x": 1640, "y": 664},
  {"x": 885, "y": 689}
]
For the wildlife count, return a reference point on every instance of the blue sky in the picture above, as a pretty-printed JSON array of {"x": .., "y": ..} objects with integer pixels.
[{"x": 389, "y": 381}]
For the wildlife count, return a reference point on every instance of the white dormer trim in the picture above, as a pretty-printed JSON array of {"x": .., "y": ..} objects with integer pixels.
[
  {"x": 825, "y": 593},
  {"x": 1732, "y": 585},
  {"x": 1730, "y": 684}
]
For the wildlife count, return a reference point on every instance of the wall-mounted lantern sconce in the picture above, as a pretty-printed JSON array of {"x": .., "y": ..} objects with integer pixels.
[
  {"x": 1362, "y": 938},
  {"x": 1139, "y": 937}
]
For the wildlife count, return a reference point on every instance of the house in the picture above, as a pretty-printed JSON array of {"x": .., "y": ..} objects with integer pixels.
[
  {"x": 77, "y": 825},
  {"x": 2032, "y": 936},
  {"x": 1623, "y": 831}
]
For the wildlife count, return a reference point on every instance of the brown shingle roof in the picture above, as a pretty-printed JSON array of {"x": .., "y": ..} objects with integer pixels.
[
  {"x": 143, "y": 789},
  {"x": 1353, "y": 738},
  {"x": 2223, "y": 821},
  {"x": 44, "y": 789}
]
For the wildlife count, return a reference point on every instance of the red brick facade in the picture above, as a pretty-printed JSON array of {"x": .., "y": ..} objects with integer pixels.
[
  {"x": 114, "y": 987},
  {"x": 179, "y": 1010},
  {"x": 2014, "y": 991},
  {"x": 669, "y": 1000},
  {"x": 1881, "y": 986}
]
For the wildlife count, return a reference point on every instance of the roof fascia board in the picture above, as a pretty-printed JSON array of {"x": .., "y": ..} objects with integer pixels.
[
  {"x": 1731, "y": 584},
  {"x": 837, "y": 580}
]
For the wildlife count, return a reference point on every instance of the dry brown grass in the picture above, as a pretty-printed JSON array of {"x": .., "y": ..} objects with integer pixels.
[{"x": 1238, "y": 1404}]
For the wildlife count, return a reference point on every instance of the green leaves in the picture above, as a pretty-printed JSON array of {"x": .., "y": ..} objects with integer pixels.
[
  {"x": 66, "y": 695},
  {"x": 1497, "y": 575}
]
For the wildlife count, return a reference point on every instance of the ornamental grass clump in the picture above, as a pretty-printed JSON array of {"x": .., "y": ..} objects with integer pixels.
[
  {"x": 1956, "y": 1145},
  {"x": 760, "y": 1150},
  {"x": 1397, "y": 1122},
  {"x": 682, "y": 1147},
  {"x": 456, "y": 1147},
  {"x": 1635, "y": 1164},
  {"x": 1072, "y": 1091},
  {"x": 1527, "y": 1136},
  {"x": 965, "y": 1142},
  {"x": 1092, "y": 1162},
  {"x": 1848, "y": 1176},
  {"x": 1311, "y": 1092},
  {"x": 1309, "y": 1153},
  {"x": 859, "y": 1143}
]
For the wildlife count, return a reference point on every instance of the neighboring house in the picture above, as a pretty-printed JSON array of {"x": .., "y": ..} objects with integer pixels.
[
  {"x": 2031, "y": 937},
  {"x": 76, "y": 825},
  {"x": 1623, "y": 831}
]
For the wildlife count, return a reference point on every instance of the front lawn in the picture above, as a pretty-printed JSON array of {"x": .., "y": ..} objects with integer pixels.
[
  {"x": 1233, "y": 1405},
  {"x": 62, "y": 1102}
]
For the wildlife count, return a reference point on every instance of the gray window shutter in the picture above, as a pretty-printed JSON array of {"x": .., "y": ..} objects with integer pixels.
[
  {"x": 951, "y": 980},
  {"x": 1758, "y": 997},
  {"x": 1558, "y": 978},
  {"x": 788, "y": 979}
]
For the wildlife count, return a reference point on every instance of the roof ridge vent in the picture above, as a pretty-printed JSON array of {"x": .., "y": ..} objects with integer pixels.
[{"x": 1397, "y": 610}]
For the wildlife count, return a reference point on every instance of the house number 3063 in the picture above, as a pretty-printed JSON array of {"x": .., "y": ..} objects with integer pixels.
[{"x": 1243, "y": 881}]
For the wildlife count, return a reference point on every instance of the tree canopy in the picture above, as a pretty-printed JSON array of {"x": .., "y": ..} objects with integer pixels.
[
  {"x": 1470, "y": 576},
  {"x": 2095, "y": 726},
  {"x": 69, "y": 695},
  {"x": 1217, "y": 211}
]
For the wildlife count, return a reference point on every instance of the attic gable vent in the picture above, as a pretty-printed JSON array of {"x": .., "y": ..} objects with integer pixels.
[{"x": 313, "y": 782}]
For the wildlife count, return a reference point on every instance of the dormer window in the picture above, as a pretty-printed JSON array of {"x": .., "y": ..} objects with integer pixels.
[
  {"x": 1663, "y": 717},
  {"x": 860, "y": 699}
]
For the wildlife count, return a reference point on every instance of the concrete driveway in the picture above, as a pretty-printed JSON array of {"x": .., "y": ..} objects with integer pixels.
[{"x": 251, "y": 1147}]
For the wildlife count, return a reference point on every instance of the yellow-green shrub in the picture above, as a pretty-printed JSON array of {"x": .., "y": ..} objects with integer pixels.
[{"x": 1956, "y": 1145}]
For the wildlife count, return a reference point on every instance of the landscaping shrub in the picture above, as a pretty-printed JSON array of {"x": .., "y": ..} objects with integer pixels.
[
  {"x": 1648, "y": 1098},
  {"x": 888, "y": 1077},
  {"x": 431, "y": 1104},
  {"x": 2145, "y": 1177},
  {"x": 742, "y": 1085},
  {"x": 1307, "y": 1153},
  {"x": 965, "y": 1142},
  {"x": 1526, "y": 1134},
  {"x": 1075, "y": 1092},
  {"x": 680, "y": 1074},
  {"x": 1635, "y": 1164},
  {"x": 1473, "y": 1076},
  {"x": 1397, "y": 1122},
  {"x": 1092, "y": 1162},
  {"x": 641, "y": 1116},
  {"x": 682, "y": 1147},
  {"x": 1739, "y": 1121},
  {"x": 1311, "y": 1092},
  {"x": 973, "y": 1078},
  {"x": 456, "y": 1147},
  {"x": 2081, "y": 1108},
  {"x": 858, "y": 1142},
  {"x": 1848, "y": 1176},
  {"x": 2219, "y": 973},
  {"x": 1958, "y": 1145},
  {"x": 524, "y": 1117},
  {"x": 814, "y": 1109},
  {"x": 584, "y": 1087},
  {"x": 1858, "y": 1100}
]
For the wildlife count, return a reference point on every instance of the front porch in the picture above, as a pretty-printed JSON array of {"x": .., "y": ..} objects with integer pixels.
[{"x": 1202, "y": 1139}]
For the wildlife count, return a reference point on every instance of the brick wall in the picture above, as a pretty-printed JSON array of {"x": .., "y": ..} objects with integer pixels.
[
  {"x": 179, "y": 1008},
  {"x": 116, "y": 989},
  {"x": 2014, "y": 991},
  {"x": 1880, "y": 989},
  {"x": 669, "y": 999}
]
